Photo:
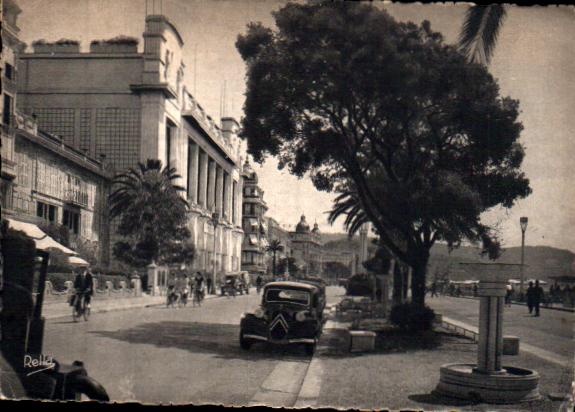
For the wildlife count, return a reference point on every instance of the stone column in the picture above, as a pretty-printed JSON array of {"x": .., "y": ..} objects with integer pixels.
[
  {"x": 234, "y": 202},
  {"x": 193, "y": 169},
  {"x": 153, "y": 287},
  {"x": 219, "y": 191},
  {"x": 212, "y": 185},
  {"x": 227, "y": 197},
  {"x": 203, "y": 181},
  {"x": 491, "y": 291}
]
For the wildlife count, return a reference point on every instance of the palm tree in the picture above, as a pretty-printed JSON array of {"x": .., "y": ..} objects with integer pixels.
[
  {"x": 274, "y": 247},
  {"x": 479, "y": 32},
  {"x": 347, "y": 204},
  {"x": 151, "y": 211}
]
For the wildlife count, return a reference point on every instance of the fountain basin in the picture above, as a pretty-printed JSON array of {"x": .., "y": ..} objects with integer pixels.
[{"x": 510, "y": 385}]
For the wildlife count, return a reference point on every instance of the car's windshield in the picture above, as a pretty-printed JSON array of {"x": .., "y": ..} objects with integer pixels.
[{"x": 300, "y": 297}]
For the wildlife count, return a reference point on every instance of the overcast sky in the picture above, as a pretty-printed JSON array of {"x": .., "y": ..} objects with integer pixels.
[{"x": 534, "y": 62}]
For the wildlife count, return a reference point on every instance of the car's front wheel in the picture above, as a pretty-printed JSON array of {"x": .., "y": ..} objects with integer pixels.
[
  {"x": 309, "y": 348},
  {"x": 245, "y": 343}
]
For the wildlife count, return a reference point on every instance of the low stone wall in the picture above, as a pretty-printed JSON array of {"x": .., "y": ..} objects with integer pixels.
[{"x": 107, "y": 292}]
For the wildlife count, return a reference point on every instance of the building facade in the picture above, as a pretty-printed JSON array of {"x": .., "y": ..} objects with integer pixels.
[
  {"x": 306, "y": 247},
  {"x": 254, "y": 223},
  {"x": 132, "y": 106},
  {"x": 44, "y": 180}
]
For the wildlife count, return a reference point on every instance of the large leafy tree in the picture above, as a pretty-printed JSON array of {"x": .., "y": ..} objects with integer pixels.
[
  {"x": 151, "y": 216},
  {"x": 414, "y": 138}
]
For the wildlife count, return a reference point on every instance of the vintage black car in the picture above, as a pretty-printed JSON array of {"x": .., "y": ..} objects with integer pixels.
[{"x": 290, "y": 313}]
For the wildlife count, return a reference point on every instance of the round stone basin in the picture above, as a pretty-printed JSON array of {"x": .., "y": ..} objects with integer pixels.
[{"x": 510, "y": 385}]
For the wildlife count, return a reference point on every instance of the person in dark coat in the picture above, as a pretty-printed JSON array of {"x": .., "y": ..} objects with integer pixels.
[
  {"x": 530, "y": 297},
  {"x": 539, "y": 294},
  {"x": 84, "y": 284}
]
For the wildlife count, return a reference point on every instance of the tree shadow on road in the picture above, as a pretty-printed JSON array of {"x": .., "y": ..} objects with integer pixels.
[
  {"x": 434, "y": 398},
  {"x": 218, "y": 339}
]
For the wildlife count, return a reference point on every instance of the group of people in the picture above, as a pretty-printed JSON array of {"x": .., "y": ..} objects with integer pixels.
[{"x": 179, "y": 290}]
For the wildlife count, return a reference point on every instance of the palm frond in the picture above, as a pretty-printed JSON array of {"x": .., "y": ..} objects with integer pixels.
[{"x": 480, "y": 30}]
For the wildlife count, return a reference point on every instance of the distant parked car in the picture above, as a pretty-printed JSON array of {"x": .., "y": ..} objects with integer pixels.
[
  {"x": 290, "y": 313},
  {"x": 237, "y": 282}
]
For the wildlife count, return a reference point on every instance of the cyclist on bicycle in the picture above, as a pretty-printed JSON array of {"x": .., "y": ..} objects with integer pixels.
[{"x": 84, "y": 286}]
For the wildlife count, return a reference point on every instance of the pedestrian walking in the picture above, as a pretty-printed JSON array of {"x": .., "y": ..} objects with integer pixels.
[
  {"x": 530, "y": 297},
  {"x": 539, "y": 295},
  {"x": 434, "y": 289},
  {"x": 508, "y": 294}
]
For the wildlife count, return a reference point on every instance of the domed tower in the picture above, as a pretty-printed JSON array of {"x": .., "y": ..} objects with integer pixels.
[{"x": 302, "y": 226}]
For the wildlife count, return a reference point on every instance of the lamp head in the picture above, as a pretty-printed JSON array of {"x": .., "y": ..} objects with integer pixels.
[{"x": 523, "y": 222}]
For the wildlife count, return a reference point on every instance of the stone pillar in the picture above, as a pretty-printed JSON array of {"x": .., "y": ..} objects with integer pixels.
[
  {"x": 153, "y": 286},
  {"x": 234, "y": 202},
  {"x": 212, "y": 185},
  {"x": 203, "y": 180},
  {"x": 109, "y": 287},
  {"x": 219, "y": 191},
  {"x": 136, "y": 285},
  {"x": 193, "y": 168},
  {"x": 228, "y": 197},
  {"x": 491, "y": 291}
]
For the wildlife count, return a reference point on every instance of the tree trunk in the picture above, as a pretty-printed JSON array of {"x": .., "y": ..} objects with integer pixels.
[
  {"x": 274, "y": 265},
  {"x": 419, "y": 266}
]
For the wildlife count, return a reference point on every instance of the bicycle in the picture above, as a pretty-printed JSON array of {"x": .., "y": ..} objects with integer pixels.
[{"x": 80, "y": 307}]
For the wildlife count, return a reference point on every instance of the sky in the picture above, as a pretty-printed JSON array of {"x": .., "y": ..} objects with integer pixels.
[{"x": 534, "y": 62}]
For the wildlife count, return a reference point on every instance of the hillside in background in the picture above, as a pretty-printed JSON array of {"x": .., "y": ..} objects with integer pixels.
[{"x": 541, "y": 261}]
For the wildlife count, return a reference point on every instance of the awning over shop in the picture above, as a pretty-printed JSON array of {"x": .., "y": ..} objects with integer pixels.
[
  {"x": 253, "y": 240},
  {"x": 42, "y": 240},
  {"x": 253, "y": 222},
  {"x": 263, "y": 227},
  {"x": 77, "y": 261}
]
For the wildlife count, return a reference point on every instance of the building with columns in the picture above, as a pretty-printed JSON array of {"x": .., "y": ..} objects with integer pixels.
[
  {"x": 254, "y": 223},
  {"x": 130, "y": 106}
]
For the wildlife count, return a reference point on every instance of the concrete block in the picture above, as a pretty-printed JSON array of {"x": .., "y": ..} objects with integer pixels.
[
  {"x": 510, "y": 345},
  {"x": 361, "y": 341}
]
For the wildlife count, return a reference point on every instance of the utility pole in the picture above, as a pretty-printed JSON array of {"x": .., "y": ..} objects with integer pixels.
[{"x": 523, "y": 223}]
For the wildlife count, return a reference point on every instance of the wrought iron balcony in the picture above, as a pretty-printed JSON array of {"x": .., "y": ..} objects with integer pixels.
[{"x": 76, "y": 197}]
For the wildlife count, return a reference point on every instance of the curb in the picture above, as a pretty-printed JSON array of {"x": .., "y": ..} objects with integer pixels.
[
  {"x": 516, "y": 303},
  {"x": 523, "y": 347},
  {"x": 311, "y": 387},
  {"x": 114, "y": 309}
]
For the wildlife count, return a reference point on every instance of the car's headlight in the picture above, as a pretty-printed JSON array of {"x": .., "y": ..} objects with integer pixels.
[
  {"x": 259, "y": 313},
  {"x": 300, "y": 316}
]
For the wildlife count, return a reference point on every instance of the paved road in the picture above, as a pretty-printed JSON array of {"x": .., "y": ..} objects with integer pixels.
[
  {"x": 182, "y": 355},
  {"x": 552, "y": 331}
]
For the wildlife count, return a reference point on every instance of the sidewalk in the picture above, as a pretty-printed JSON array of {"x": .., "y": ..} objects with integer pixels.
[
  {"x": 63, "y": 309},
  {"x": 406, "y": 379}
]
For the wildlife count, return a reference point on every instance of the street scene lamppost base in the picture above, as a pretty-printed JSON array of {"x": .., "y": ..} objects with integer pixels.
[{"x": 508, "y": 386}]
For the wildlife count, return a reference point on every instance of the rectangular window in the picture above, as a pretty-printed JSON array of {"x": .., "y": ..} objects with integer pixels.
[
  {"x": 8, "y": 109},
  {"x": 9, "y": 71},
  {"x": 72, "y": 220},
  {"x": 46, "y": 212}
]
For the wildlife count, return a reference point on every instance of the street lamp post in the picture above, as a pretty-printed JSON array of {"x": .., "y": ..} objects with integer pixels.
[
  {"x": 523, "y": 223},
  {"x": 215, "y": 221}
]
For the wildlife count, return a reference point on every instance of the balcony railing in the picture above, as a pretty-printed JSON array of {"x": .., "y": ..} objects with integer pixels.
[{"x": 76, "y": 197}]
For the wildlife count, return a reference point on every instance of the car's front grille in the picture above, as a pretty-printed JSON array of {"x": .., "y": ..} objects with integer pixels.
[{"x": 279, "y": 327}]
